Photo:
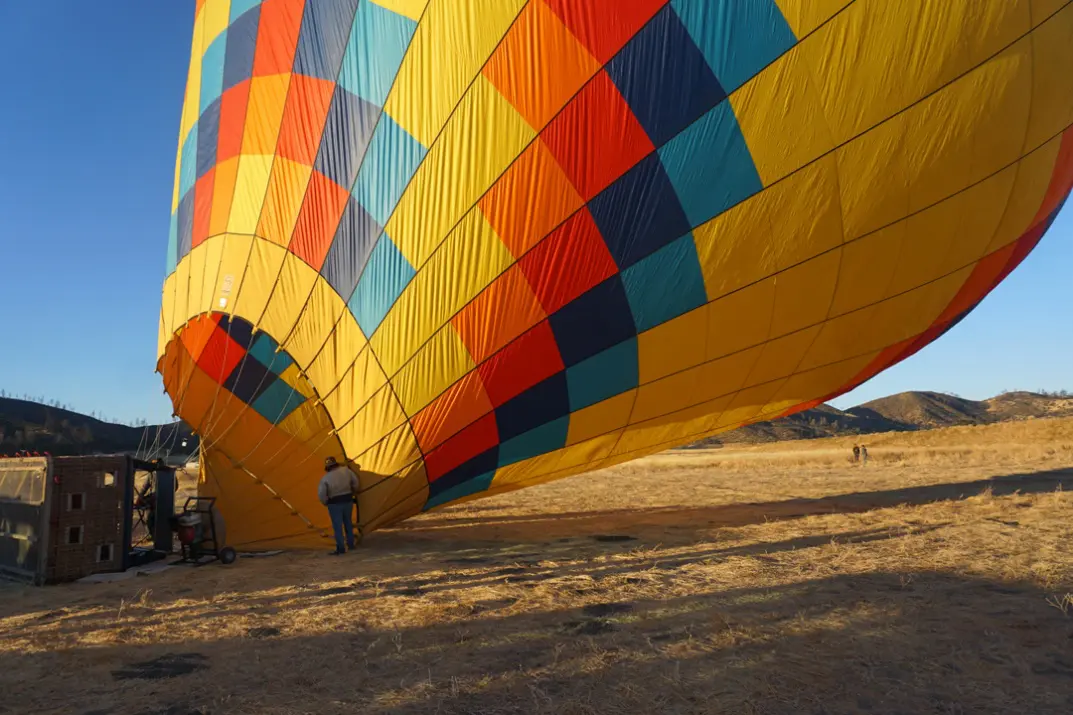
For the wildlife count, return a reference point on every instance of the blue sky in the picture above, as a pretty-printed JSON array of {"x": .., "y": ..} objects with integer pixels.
[{"x": 88, "y": 137}]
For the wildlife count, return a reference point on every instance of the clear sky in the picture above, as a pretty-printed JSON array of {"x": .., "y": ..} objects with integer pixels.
[{"x": 88, "y": 131}]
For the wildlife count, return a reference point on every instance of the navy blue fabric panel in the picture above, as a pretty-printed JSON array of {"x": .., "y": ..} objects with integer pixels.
[
  {"x": 208, "y": 134},
  {"x": 241, "y": 45},
  {"x": 640, "y": 213},
  {"x": 347, "y": 132},
  {"x": 354, "y": 241},
  {"x": 665, "y": 78},
  {"x": 325, "y": 32},
  {"x": 238, "y": 330},
  {"x": 593, "y": 322},
  {"x": 542, "y": 403},
  {"x": 482, "y": 463},
  {"x": 249, "y": 379},
  {"x": 185, "y": 221}
]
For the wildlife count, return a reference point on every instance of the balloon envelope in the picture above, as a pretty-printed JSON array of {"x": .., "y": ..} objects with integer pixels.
[{"x": 475, "y": 245}]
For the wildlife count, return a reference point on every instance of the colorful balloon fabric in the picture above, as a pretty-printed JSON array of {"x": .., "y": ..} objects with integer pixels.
[{"x": 476, "y": 245}]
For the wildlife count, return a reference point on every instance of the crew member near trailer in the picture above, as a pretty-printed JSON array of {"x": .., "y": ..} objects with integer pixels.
[{"x": 337, "y": 489}]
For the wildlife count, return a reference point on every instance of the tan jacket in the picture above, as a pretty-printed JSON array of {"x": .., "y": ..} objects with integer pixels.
[{"x": 336, "y": 483}]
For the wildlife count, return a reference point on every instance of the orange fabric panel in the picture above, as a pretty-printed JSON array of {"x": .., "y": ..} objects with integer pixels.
[
  {"x": 195, "y": 335},
  {"x": 531, "y": 198},
  {"x": 485, "y": 327},
  {"x": 463, "y": 403},
  {"x": 268, "y": 96},
  {"x": 223, "y": 190},
  {"x": 540, "y": 65}
]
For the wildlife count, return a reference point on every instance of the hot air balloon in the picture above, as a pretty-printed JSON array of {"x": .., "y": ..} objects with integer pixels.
[{"x": 476, "y": 245}]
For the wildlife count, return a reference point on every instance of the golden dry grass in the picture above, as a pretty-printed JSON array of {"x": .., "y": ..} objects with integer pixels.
[{"x": 779, "y": 579}]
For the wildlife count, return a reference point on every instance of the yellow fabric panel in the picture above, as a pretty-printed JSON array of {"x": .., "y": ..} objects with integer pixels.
[
  {"x": 410, "y": 8},
  {"x": 263, "y": 267},
  {"x": 406, "y": 507},
  {"x": 196, "y": 259},
  {"x": 951, "y": 234},
  {"x": 970, "y": 129},
  {"x": 162, "y": 337},
  {"x": 804, "y": 16},
  {"x": 238, "y": 496},
  {"x": 167, "y": 309},
  {"x": 380, "y": 493},
  {"x": 698, "y": 385},
  {"x": 601, "y": 418},
  {"x": 879, "y": 326},
  {"x": 293, "y": 377},
  {"x": 740, "y": 320},
  {"x": 672, "y": 346},
  {"x": 470, "y": 259},
  {"x": 283, "y": 200},
  {"x": 805, "y": 386},
  {"x": 875, "y": 178},
  {"x": 783, "y": 96},
  {"x": 182, "y": 293},
  {"x": 264, "y": 114},
  {"x": 295, "y": 282},
  {"x": 315, "y": 323},
  {"x": 582, "y": 453},
  {"x": 888, "y": 55},
  {"x": 780, "y": 357},
  {"x": 481, "y": 140},
  {"x": 379, "y": 416},
  {"x": 803, "y": 293},
  {"x": 439, "y": 364},
  {"x": 452, "y": 43},
  {"x": 868, "y": 264},
  {"x": 216, "y": 14},
  {"x": 232, "y": 269},
  {"x": 1034, "y": 174},
  {"x": 745, "y": 406},
  {"x": 251, "y": 183},
  {"x": 192, "y": 99},
  {"x": 1052, "y": 55},
  {"x": 344, "y": 349},
  {"x": 392, "y": 455},
  {"x": 213, "y": 251},
  {"x": 680, "y": 427},
  {"x": 308, "y": 423}
]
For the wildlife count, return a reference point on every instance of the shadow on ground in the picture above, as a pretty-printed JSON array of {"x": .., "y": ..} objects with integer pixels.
[
  {"x": 880, "y": 643},
  {"x": 542, "y": 527}
]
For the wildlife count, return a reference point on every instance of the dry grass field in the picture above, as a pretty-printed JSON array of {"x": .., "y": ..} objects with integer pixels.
[{"x": 775, "y": 579}]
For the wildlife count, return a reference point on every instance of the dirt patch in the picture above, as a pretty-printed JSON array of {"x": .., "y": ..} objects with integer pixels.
[{"x": 166, "y": 666}]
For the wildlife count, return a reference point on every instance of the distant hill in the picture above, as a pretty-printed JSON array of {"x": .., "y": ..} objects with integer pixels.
[
  {"x": 34, "y": 427},
  {"x": 904, "y": 412}
]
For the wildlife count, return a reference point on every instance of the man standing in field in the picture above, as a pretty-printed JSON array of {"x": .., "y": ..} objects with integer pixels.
[{"x": 337, "y": 489}]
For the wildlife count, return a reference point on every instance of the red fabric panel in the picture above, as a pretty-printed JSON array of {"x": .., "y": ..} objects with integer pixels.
[
  {"x": 323, "y": 207},
  {"x": 478, "y": 437},
  {"x": 605, "y": 26},
  {"x": 523, "y": 363},
  {"x": 202, "y": 207},
  {"x": 232, "y": 121},
  {"x": 220, "y": 356},
  {"x": 308, "y": 99},
  {"x": 596, "y": 138},
  {"x": 1061, "y": 180},
  {"x": 573, "y": 259},
  {"x": 277, "y": 36},
  {"x": 464, "y": 402},
  {"x": 196, "y": 334}
]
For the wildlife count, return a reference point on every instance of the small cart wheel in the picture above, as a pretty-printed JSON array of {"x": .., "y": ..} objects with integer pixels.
[{"x": 227, "y": 555}]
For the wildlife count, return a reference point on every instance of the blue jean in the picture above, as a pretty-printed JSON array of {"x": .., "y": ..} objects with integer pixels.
[{"x": 342, "y": 524}]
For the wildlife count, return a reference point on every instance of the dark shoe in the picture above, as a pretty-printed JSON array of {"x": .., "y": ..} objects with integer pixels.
[{"x": 336, "y": 553}]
